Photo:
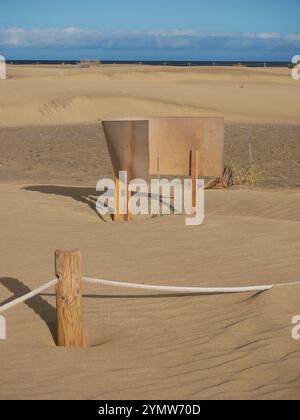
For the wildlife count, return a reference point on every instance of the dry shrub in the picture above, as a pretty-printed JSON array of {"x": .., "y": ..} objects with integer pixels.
[{"x": 232, "y": 175}]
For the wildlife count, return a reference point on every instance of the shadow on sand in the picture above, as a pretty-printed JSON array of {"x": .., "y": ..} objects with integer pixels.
[
  {"x": 253, "y": 296},
  {"x": 86, "y": 195},
  {"x": 39, "y": 305},
  {"x": 82, "y": 194}
]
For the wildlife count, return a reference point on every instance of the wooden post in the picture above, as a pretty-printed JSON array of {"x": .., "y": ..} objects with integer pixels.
[
  {"x": 194, "y": 170},
  {"x": 68, "y": 298},
  {"x": 117, "y": 216},
  {"x": 127, "y": 216}
]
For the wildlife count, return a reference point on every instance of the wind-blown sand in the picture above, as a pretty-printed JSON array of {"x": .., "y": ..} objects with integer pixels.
[
  {"x": 39, "y": 95},
  {"x": 148, "y": 345}
]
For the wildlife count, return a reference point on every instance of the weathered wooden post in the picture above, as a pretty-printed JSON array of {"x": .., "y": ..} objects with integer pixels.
[
  {"x": 69, "y": 298},
  {"x": 194, "y": 170},
  {"x": 121, "y": 187},
  {"x": 116, "y": 217}
]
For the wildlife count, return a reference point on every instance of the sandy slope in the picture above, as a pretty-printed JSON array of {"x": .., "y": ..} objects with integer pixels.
[
  {"x": 58, "y": 95},
  {"x": 148, "y": 346}
]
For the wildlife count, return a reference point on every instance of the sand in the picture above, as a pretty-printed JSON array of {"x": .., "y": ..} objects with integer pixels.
[
  {"x": 68, "y": 154},
  {"x": 148, "y": 345},
  {"x": 43, "y": 95}
]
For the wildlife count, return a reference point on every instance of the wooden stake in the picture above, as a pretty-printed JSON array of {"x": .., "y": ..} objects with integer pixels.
[
  {"x": 117, "y": 216},
  {"x": 158, "y": 177},
  {"x": 194, "y": 159},
  {"x": 68, "y": 298},
  {"x": 127, "y": 216}
]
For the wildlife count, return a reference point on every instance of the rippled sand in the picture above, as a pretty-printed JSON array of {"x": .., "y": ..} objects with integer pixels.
[{"x": 143, "y": 345}]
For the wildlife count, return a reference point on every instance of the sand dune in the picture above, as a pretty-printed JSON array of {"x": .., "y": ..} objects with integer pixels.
[
  {"x": 85, "y": 109},
  {"x": 60, "y": 95},
  {"x": 149, "y": 345}
]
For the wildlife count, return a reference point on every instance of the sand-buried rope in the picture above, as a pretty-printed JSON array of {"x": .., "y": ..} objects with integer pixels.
[
  {"x": 28, "y": 296},
  {"x": 141, "y": 286},
  {"x": 186, "y": 290},
  {"x": 69, "y": 296},
  {"x": 73, "y": 301},
  {"x": 19, "y": 300}
]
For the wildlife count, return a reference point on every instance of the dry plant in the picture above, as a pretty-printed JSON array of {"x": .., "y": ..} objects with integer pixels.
[{"x": 232, "y": 175}]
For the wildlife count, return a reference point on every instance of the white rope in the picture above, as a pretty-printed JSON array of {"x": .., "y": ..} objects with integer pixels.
[
  {"x": 169, "y": 289},
  {"x": 183, "y": 290},
  {"x": 28, "y": 296},
  {"x": 295, "y": 283}
]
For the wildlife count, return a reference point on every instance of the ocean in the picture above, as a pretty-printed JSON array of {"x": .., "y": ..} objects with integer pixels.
[{"x": 166, "y": 63}]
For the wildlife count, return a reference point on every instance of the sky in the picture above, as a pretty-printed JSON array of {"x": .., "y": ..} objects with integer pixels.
[{"x": 265, "y": 30}]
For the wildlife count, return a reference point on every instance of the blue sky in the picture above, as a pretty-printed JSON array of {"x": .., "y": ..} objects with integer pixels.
[{"x": 156, "y": 29}]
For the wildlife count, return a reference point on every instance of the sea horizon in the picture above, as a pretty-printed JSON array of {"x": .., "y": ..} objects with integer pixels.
[{"x": 175, "y": 63}]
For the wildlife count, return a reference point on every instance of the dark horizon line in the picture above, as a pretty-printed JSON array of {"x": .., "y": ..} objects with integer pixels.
[{"x": 139, "y": 61}]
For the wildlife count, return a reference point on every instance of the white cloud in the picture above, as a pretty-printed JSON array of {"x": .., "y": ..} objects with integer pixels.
[{"x": 76, "y": 38}]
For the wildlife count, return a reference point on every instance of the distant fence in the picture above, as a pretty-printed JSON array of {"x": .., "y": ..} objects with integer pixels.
[
  {"x": 2, "y": 68},
  {"x": 69, "y": 296}
]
